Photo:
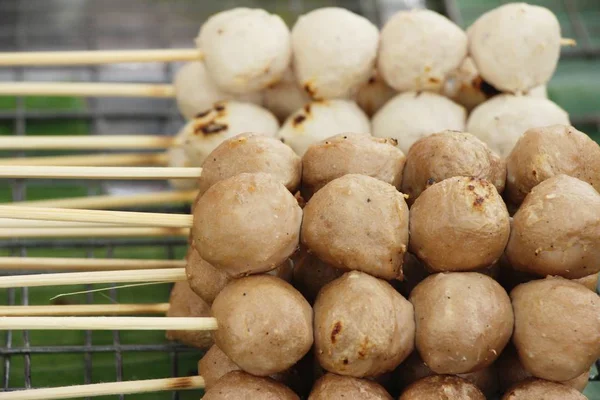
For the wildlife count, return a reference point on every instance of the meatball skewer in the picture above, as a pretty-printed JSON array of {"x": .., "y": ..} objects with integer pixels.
[{"x": 220, "y": 41}]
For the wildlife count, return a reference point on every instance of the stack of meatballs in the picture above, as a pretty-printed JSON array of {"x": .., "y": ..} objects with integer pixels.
[
  {"x": 438, "y": 258},
  {"x": 413, "y": 301},
  {"x": 335, "y": 72}
]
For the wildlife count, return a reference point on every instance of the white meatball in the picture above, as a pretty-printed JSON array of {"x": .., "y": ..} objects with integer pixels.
[
  {"x": 411, "y": 116},
  {"x": 195, "y": 91},
  {"x": 285, "y": 97},
  {"x": 539, "y": 91},
  {"x": 500, "y": 121},
  {"x": 466, "y": 86},
  {"x": 373, "y": 94},
  {"x": 200, "y": 136},
  {"x": 334, "y": 52},
  {"x": 515, "y": 46},
  {"x": 319, "y": 120},
  {"x": 245, "y": 50},
  {"x": 419, "y": 48}
]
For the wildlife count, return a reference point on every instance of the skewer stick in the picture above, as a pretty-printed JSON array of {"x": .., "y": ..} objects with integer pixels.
[
  {"x": 109, "y": 323},
  {"x": 95, "y": 142},
  {"x": 124, "y": 218},
  {"x": 84, "y": 264},
  {"x": 84, "y": 309},
  {"x": 128, "y": 173},
  {"x": 111, "y": 202},
  {"x": 104, "y": 389},
  {"x": 91, "y": 57},
  {"x": 568, "y": 42},
  {"x": 78, "y": 89},
  {"x": 77, "y": 278},
  {"x": 24, "y": 233},
  {"x": 24, "y": 223},
  {"x": 91, "y": 160}
]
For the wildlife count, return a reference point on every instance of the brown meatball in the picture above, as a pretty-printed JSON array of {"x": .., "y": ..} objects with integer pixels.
[
  {"x": 358, "y": 223},
  {"x": 446, "y": 154},
  {"x": 336, "y": 387},
  {"x": 183, "y": 302},
  {"x": 542, "y": 153},
  {"x": 464, "y": 321},
  {"x": 413, "y": 369},
  {"x": 557, "y": 328},
  {"x": 351, "y": 154},
  {"x": 556, "y": 230},
  {"x": 247, "y": 224},
  {"x": 204, "y": 279},
  {"x": 543, "y": 390},
  {"x": 459, "y": 224},
  {"x": 238, "y": 385},
  {"x": 252, "y": 153},
  {"x": 363, "y": 327},
  {"x": 265, "y": 325},
  {"x": 590, "y": 281},
  {"x": 311, "y": 274},
  {"x": 442, "y": 387},
  {"x": 207, "y": 281},
  {"x": 509, "y": 278},
  {"x": 214, "y": 365},
  {"x": 511, "y": 372}
]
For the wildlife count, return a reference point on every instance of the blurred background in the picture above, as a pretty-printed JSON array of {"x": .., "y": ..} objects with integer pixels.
[{"x": 61, "y": 358}]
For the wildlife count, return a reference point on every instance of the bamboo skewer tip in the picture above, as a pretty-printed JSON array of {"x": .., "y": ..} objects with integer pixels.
[
  {"x": 84, "y": 309},
  {"x": 93, "y": 57},
  {"x": 91, "y": 142},
  {"x": 117, "y": 218},
  {"x": 109, "y": 323},
  {"x": 104, "y": 389},
  {"x": 128, "y": 173},
  {"x": 86, "y": 264},
  {"x": 89, "y": 277}
]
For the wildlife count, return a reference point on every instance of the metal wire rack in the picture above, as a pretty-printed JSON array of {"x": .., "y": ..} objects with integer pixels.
[{"x": 88, "y": 24}]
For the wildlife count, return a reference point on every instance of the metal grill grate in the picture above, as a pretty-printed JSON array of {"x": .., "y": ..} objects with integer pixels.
[{"x": 113, "y": 24}]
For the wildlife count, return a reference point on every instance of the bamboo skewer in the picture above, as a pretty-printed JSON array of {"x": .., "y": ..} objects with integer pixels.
[
  {"x": 123, "y": 218},
  {"x": 128, "y": 173},
  {"x": 24, "y": 223},
  {"x": 104, "y": 389},
  {"x": 91, "y": 160},
  {"x": 91, "y": 57},
  {"x": 25, "y": 233},
  {"x": 111, "y": 202},
  {"x": 109, "y": 323},
  {"x": 84, "y": 309},
  {"x": 84, "y": 89},
  {"x": 76, "y": 278},
  {"x": 94, "y": 142},
  {"x": 84, "y": 264},
  {"x": 568, "y": 42}
]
